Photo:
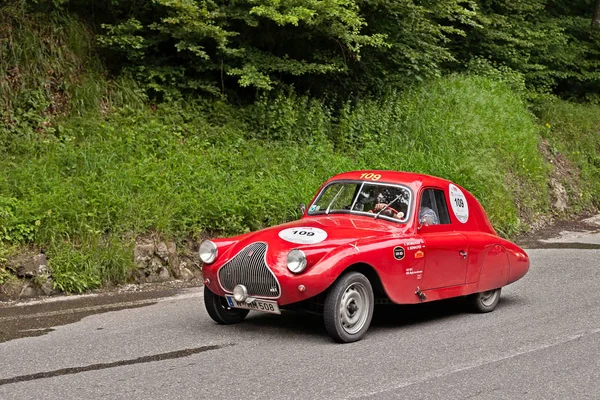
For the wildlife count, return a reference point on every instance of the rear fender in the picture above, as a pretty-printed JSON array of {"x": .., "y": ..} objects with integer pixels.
[
  {"x": 504, "y": 263},
  {"x": 495, "y": 269}
]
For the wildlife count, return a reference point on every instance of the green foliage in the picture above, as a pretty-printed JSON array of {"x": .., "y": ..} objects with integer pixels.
[
  {"x": 49, "y": 69},
  {"x": 341, "y": 47},
  {"x": 550, "y": 42},
  {"x": 187, "y": 168},
  {"x": 16, "y": 225},
  {"x": 197, "y": 44},
  {"x": 357, "y": 45},
  {"x": 417, "y": 35},
  {"x": 479, "y": 66},
  {"x": 474, "y": 131},
  {"x": 86, "y": 162},
  {"x": 5, "y": 276},
  {"x": 78, "y": 268},
  {"x": 290, "y": 118},
  {"x": 573, "y": 130}
]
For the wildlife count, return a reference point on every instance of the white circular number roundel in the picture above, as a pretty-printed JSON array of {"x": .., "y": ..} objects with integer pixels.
[
  {"x": 303, "y": 235},
  {"x": 459, "y": 204}
]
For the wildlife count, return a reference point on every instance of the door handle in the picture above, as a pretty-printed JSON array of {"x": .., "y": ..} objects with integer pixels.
[{"x": 463, "y": 254}]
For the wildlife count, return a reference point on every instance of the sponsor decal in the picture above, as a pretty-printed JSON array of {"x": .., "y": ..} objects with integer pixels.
[
  {"x": 303, "y": 235},
  {"x": 411, "y": 271},
  {"x": 458, "y": 201},
  {"x": 419, "y": 254},
  {"x": 398, "y": 252}
]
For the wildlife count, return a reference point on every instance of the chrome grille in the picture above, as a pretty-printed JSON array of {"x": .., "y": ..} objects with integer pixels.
[{"x": 249, "y": 268}]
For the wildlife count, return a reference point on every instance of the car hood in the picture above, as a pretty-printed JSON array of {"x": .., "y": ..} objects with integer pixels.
[{"x": 319, "y": 232}]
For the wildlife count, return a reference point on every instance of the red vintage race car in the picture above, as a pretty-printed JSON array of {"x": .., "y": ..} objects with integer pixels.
[{"x": 366, "y": 237}]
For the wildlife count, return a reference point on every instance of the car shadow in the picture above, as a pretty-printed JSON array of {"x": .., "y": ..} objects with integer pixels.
[
  {"x": 310, "y": 328},
  {"x": 407, "y": 315},
  {"x": 290, "y": 324},
  {"x": 311, "y": 325}
]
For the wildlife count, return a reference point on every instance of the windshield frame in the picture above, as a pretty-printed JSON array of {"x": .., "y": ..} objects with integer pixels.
[{"x": 360, "y": 184}]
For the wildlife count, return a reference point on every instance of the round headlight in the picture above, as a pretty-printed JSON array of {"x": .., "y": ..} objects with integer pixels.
[
  {"x": 208, "y": 251},
  {"x": 296, "y": 261},
  {"x": 240, "y": 293}
]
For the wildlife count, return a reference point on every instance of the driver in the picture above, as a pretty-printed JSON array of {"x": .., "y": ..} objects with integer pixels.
[{"x": 381, "y": 201}]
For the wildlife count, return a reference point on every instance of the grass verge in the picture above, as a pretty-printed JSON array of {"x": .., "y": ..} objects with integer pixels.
[
  {"x": 188, "y": 168},
  {"x": 573, "y": 130}
]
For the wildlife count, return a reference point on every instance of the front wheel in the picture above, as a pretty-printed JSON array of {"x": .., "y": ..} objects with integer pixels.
[
  {"x": 348, "y": 308},
  {"x": 220, "y": 311},
  {"x": 485, "y": 301}
]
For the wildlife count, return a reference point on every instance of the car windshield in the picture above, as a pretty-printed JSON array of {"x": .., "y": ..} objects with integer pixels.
[{"x": 379, "y": 200}]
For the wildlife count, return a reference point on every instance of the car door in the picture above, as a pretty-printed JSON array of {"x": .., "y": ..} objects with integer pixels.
[{"x": 445, "y": 249}]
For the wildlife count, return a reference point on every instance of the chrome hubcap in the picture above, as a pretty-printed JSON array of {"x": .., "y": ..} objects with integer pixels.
[
  {"x": 354, "y": 308},
  {"x": 488, "y": 298}
]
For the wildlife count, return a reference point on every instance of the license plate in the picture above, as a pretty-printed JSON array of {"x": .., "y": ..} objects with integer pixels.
[{"x": 256, "y": 305}]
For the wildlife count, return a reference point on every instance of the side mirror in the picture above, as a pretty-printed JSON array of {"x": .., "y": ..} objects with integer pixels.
[{"x": 302, "y": 208}]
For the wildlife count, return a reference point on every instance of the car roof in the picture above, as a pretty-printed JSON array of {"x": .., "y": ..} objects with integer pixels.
[
  {"x": 410, "y": 179},
  {"x": 479, "y": 219}
]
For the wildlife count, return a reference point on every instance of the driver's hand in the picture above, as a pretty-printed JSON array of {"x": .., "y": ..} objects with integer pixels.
[{"x": 379, "y": 207}]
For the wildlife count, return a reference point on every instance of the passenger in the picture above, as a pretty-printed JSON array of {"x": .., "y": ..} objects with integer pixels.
[{"x": 428, "y": 217}]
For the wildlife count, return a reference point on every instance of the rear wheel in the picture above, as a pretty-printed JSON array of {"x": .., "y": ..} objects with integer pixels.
[
  {"x": 485, "y": 301},
  {"x": 348, "y": 308},
  {"x": 220, "y": 311}
]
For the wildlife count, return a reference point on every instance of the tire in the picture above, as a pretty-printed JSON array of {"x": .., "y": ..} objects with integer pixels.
[
  {"x": 485, "y": 301},
  {"x": 219, "y": 310},
  {"x": 348, "y": 308}
]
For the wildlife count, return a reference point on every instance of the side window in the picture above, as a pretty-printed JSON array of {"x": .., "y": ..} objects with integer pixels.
[{"x": 433, "y": 209}]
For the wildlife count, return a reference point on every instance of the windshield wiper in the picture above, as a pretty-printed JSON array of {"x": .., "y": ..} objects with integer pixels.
[
  {"x": 387, "y": 205},
  {"x": 334, "y": 199}
]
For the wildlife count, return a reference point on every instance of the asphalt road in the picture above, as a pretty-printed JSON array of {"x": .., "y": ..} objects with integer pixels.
[{"x": 542, "y": 342}]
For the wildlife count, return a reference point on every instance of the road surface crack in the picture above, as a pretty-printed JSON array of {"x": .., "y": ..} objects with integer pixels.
[{"x": 95, "y": 367}]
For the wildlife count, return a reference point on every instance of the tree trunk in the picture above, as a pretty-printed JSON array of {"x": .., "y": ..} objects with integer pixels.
[{"x": 596, "y": 18}]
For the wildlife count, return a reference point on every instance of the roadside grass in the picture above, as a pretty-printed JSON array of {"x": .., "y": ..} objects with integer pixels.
[
  {"x": 188, "y": 168},
  {"x": 471, "y": 130},
  {"x": 574, "y": 130},
  {"x": 90, "y": 263}
]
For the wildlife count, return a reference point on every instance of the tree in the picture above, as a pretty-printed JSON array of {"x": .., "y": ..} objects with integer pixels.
[
  {"x": 202, "y": 44},
  {"x": 596, "y": 18}
]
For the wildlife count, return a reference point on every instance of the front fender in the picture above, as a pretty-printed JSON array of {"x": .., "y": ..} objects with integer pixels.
[{"x": 399, "y": 277}]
